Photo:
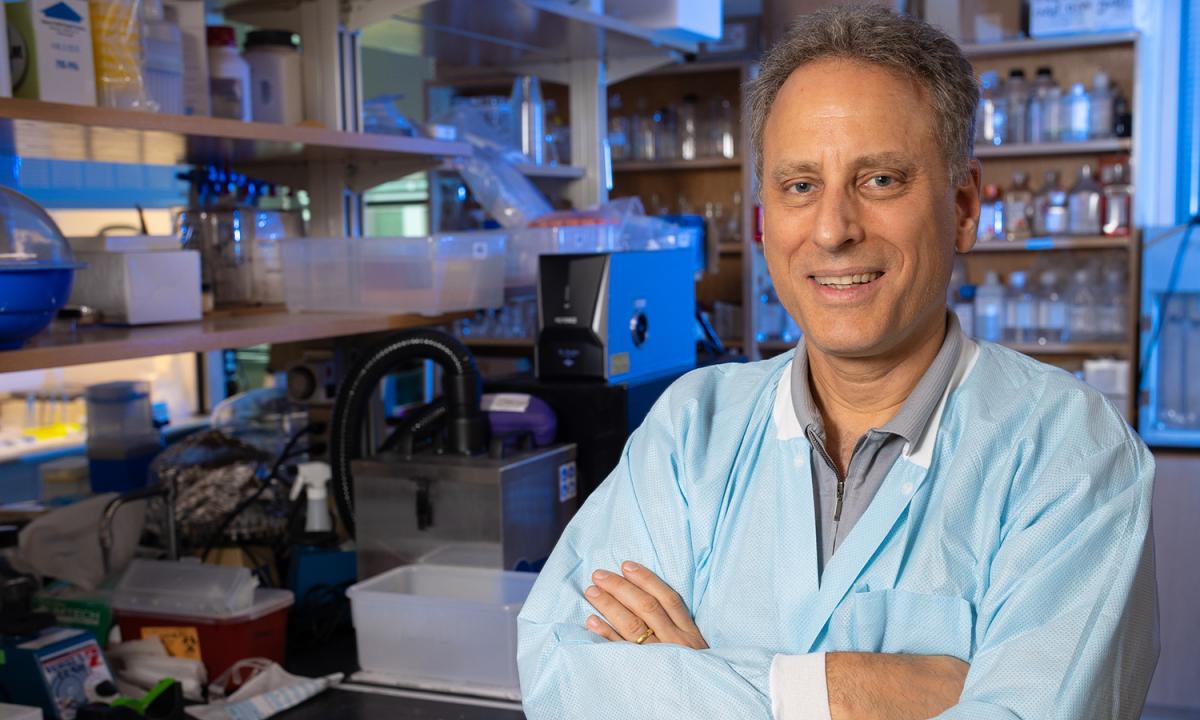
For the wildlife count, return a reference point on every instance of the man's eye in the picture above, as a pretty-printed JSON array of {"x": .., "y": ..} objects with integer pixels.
[
  {"x": 801, "y": 187},
  {"x": 882, "y": 181}
]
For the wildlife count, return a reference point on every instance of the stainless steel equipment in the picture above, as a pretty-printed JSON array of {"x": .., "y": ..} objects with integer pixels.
[
  {"x": 444, "y": 487},
  {"x": 483, "y": 511}
]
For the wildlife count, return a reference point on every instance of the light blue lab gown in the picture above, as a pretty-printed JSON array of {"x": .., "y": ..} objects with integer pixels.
[{"x": 1013, "y": 536}]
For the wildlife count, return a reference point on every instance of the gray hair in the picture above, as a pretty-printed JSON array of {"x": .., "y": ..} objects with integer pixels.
[{"x": 877, "y": 36}]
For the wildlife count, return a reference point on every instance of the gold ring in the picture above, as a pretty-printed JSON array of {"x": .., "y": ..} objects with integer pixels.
[{"x": 644, "y": 636}]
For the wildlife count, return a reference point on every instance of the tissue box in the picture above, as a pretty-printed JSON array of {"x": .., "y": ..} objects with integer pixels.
[{"x": 140, "y": 288}]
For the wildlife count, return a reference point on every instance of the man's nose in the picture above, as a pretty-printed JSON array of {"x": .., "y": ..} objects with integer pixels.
[{"x": 837, "y": 223}]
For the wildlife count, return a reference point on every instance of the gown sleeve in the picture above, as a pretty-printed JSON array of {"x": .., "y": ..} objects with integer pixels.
[{"x": 639, "y": 513}]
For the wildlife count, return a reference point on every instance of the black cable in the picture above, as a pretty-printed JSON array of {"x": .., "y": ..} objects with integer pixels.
[{"x": 284, "y": 455}]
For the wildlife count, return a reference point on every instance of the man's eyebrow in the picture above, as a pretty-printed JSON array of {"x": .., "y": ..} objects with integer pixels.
[
  {"x": 900, "y": 161},
  {"x": 896, "y": 160},
  {"x": 788, "y": 168}
]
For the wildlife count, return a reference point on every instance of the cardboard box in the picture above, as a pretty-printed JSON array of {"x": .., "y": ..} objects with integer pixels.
[
  {"x": 140, "y": 288},
  {"x": 50, "y": 48},
  {"x": 1048, "y": 18},
  {"x": 689, "y": 20}
]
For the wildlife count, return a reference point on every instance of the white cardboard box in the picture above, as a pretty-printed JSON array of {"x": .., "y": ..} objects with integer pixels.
[
  {"x": 140, "y": 288},
  {"x": 1072, "y": 17},
  {"x": 692, "y": 20},
  {"x": 51, "y": 51}
]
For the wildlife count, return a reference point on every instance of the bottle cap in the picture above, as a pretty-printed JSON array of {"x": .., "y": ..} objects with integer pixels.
[
  {"x": 1016, "y": 73},
  {"x": 272, "y": 38},
  {"x": 221, "y": 36}
]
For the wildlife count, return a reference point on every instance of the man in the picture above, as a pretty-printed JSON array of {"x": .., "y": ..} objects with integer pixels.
[{"x": 893, "y": 521}]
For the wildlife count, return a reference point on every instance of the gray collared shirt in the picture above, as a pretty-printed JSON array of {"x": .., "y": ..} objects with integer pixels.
[{"x": 875, "y": 452}]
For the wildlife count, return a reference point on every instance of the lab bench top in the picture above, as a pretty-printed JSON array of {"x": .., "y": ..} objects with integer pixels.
[{"x": 357, "y": 701}]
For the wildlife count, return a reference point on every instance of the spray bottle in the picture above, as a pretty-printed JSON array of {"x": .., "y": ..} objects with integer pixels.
[{"x": 314, "y": 480}]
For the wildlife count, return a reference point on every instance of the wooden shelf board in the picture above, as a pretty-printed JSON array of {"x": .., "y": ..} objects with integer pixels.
[
  {"x": 1042, "y": 45},
  {"x": 1114, "y": 349},
  {"x": 1043, "y": 244},
  {"x": 675, "y": 165},
  {"x": 59, "y": 345},
  {"x": 31, "y": 128},
  {"x": 1028, "y": 150}
]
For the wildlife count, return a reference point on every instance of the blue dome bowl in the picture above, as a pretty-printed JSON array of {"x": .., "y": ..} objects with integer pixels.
[{"x": 29, "y": 299}]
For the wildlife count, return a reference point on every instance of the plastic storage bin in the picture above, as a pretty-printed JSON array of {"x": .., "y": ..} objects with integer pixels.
[
  {"x": 442, "y": 628},
  {"x": 521, "y": 265},
  {"x": 221, "y": 639},
  {"x": 184, "y": 588},
  {"x": 428, "y": 275}
]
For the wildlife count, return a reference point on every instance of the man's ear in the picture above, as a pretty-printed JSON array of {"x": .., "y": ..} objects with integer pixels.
[{"x": 966, "y": 204}]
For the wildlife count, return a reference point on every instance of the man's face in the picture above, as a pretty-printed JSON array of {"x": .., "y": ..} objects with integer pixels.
[{"x": 860, "y": 219}]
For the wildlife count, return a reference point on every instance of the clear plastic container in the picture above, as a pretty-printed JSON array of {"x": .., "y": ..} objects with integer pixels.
[
  {"x": 165, "y": 587},
  {"x": 431, "y": 275},
  {"x": 442, "y": 628},
  {"x": 524, "y": 247}
]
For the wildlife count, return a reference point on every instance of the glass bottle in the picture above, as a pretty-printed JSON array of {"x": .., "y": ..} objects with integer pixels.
[
  {"x": 989, "y": 309},
  {"x": 1020, "y": 310},
  {"x": 964, "y": 308},
  {"x": 689, "y": 137},
  {"x": 1018, "y": 209},
  {"x": 1077, "y": 112},
  {"x": 1112, "y": 310},
  {"x": 1122, "y": 116},
  {"x": 991, "y": 114},
  {"x": 1016, "y": 93},
  {"x": 720, "y": 129},
  {"x": 1118, "y": 200},
  {"x": 991, "y": 215},
  {"x": 1037, "y": 122},
  {"x": 1051, "y": 311},
  {"x": 1050, "y": 207},
  {"x": 1081, "y": 308},
  {"x": 1085, "y": 204},
  {"x": 619, "y": 134},
  {"x": 666, "y": 135},
  {"x": 643, "y": 132},
  {"x": 1101, "y": 101}
]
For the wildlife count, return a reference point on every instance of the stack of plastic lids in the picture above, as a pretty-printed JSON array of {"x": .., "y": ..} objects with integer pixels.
[
  {"x": 36, "y": 269},
  {"x": 164, "y": 587}
]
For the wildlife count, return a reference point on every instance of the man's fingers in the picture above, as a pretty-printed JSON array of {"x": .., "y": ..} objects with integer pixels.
[
  {"x": 602, "y": 629},
  {"x": 628, "y": 625},
  {"x": 645, "y": 606},
  {"x": 670, "y": 600}
]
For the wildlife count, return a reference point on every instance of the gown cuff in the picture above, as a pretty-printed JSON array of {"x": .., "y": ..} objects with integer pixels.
[{"x": 798, "y": 687}]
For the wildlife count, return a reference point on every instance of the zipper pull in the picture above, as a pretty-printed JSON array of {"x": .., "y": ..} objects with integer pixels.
[{"x": 841, "y": 492}]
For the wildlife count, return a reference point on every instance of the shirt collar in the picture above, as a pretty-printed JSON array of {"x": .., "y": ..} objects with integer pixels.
[{"x": 912, "y": 417}]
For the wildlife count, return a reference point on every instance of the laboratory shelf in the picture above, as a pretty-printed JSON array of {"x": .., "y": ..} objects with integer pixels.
[
  {"x": 63, "y": 345},
  {"x": 1058, "y": 242},
  {"x": 774, "y": 347},
  {"x": 32, "y": 128},
  {"x": 512, "y": 35},
  {"x": 1028, "y": 46},
  {"x": 626, "y": 166},
  {"x": 551, "y": 172},
  {"x": 1080, "y": 349},
  {"x": 1051, "y": 149}
]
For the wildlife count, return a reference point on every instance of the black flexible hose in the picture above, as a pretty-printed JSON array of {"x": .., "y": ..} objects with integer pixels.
[{"x": 466, "y": 425}]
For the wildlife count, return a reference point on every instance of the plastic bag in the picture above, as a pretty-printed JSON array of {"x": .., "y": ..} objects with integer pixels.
[{"x": 267, "y": 690}]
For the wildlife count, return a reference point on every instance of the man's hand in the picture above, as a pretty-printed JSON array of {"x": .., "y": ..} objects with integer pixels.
[
  {"x": 875, "y": 686},
  {"x": 637, "y": 603}
]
